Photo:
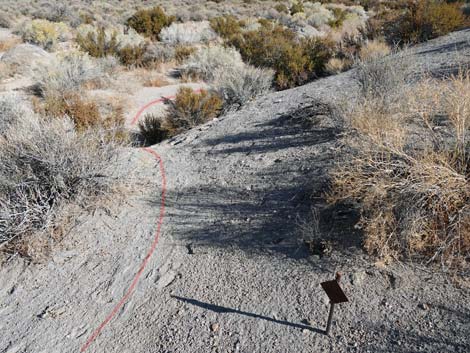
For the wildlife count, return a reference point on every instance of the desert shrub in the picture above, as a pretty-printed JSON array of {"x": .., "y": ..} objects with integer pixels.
[
  {"x": 183, "y": 52},
  {"x": 159, "y": 53},
  {"x": 336, "y": 65},
  {"x": 150, "y": 22},
  {"x": 100, "y": 42},
  {"x": 152, "y": 130},
  {"x": 424, "y": 20},
  {"x": 97, "y": 42},
  {"x": 132, "y": 55},
  {"x": 239, "y": 84},
  {"x": 204, "y": 62},
  {"x": 281, "y": 8},
  {"x": 45, "y": 166},
  {"x": 84, "y": 113},
  {"x": 66, "y": 74},
  {"x": 188, "y": 33},
  {"x": 410, "y": 172},
  {"x": 374, "y": 49},
  {"x": 381, "y": 77},
  {"x": 43, "y": 33},
  {"x": 12, "y": 109},
  {"x": 190, "y": 109},
  {"x": 226, "y": 26},
  {"x": 339, "y": 17},
  {"x": 294, "y": 61},
  {"x": 296, "y": 7},
  {"x": 5, "y": 21}
]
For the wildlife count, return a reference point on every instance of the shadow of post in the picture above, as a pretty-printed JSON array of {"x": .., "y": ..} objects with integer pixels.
[{"x": 224, "y": 310}]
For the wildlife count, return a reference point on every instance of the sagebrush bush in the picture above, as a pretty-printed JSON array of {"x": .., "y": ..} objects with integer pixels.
[
  {"x": 159, "y": 53},
  {"x": 424, "y": 20},
  {"x": 152, "y": 129},
  {"x": 12, "y": 109},
  {"x": 66, "y": 74},
  {"x": 205, "y": 61},
  {"x": 188, "y": 33},
  {"x": 45, "y": 165},
  {"x": 44, "y": 33},
  {"x": 239, "y": 84},
  {"x": 150, "y": 22},
  {"x": 410, "y": 172},
  {"x": 190, "y": 109}
]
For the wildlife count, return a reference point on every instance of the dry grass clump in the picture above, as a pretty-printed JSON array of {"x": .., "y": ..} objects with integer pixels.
[
  {"x": 336, "y": 65},
  {"x": 410, "y": 174},
  {"x": 374, "y": 49},
  {"x": 9, "y": 43},
  {"x": 46, "y": 166},
  {"x": 190, "y": 109},
  {"x": 150, "y": 22}
]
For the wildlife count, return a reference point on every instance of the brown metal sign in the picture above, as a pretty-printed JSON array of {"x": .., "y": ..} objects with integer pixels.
[{"x": 334, "y": 292}]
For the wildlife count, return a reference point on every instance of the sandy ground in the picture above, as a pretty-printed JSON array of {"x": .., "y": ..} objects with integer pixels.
[{"x": 230, "y": 273}]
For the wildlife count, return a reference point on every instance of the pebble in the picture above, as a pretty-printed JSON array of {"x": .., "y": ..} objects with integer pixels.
[{"x": 215, "y": 327}]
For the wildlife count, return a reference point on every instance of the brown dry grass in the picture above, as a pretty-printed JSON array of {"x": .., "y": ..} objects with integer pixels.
[
  {"x": 410, "y": 172},
  {"x": 9, "y": 43}
]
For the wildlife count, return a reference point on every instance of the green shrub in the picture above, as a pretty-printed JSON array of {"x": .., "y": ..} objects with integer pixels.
[
  {"x": 152, "y": 129},
  {"x": 101, "y": 43},
  {"x": 281, "y": 8},
  {"x": 182, "y": 52},
  {"x": 150, "y": 22},
  {"x": 294, "y": 61},
  {"x": 190, "y": 109},
  {"x": 296, "y": 7},
  {"x": 424, "y": 20},
  {"x": 340, "y": 16},
  {"x": 226, "y": 26},
  {"x": 98, "y": 43}
]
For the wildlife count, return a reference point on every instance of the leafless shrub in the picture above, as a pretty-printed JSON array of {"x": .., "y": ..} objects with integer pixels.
[
  {"x": 239, "y": 84},
  {"x": 46, "y": 165},
  {"x": 159, "y": 53},
  {"x": 410, "y": 173},
  {"x": 12, "y": 108},
  {"x": 382, "y": 76}
]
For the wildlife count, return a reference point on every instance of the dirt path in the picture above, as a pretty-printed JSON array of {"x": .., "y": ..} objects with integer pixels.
[{"x": 231, "y": 273}]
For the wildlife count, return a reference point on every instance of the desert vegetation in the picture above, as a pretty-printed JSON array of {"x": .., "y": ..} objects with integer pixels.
[
  {"x": 77, "y": 57},
  {"x": 410, "y": 168}
]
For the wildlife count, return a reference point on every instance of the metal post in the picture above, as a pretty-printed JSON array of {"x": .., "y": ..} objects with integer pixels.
[{"x": 330, "y": 318}]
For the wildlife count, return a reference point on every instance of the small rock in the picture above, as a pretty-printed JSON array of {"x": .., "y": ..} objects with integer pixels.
[
  {"x": 357, "y": 278},
  {"x": 215, "y": 327},
  {"x": 423, "y": 306}
]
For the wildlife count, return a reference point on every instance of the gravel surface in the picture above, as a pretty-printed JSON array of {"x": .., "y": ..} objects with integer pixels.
[{"x": 231, "y": 272}]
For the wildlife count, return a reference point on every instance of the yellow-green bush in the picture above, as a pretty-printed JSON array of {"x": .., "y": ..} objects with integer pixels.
[
  {"x": 43, "y": 33},
  {"x": 150, "y": 22},
  {"x": 295, "y": 61}
]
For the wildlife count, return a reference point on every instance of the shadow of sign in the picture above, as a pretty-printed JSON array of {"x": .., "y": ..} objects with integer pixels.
[{"x": 224, "y": 310}]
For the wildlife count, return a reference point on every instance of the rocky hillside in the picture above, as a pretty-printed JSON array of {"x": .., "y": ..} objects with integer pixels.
[{"x": 231, "y": 272}]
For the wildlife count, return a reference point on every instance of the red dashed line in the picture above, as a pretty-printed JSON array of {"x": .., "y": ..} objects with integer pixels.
[{"x": 153, "y": 246}]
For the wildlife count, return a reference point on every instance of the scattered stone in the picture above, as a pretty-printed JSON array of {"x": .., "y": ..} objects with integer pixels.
[{"x": 215, "y": 327}]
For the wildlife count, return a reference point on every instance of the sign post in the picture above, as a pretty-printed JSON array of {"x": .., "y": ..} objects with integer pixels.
[{"x": 336, "y": 296}]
